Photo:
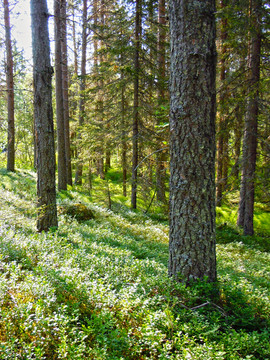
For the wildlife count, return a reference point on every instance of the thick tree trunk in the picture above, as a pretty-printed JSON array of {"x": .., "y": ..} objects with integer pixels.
[
  {"x": 65, "y": 90},
  {"x": 10, "y": 92},
  {"x": 61, "y": 147},
  {"x": 47, "y": 213},
  {"x": 192, "y": 127},
  {"x": 161, "y": 155},
  {"x": 135, "y": 131},
  {"x": 246, "y": 204}
]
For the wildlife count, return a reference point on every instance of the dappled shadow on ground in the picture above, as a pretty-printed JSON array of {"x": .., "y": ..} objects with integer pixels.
[
  {"x": 227, "y": 234},
  {"x": 17, "y": 195}
]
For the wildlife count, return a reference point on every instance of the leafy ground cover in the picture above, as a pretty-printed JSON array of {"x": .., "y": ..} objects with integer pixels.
[{"x": 98, "y": 289}]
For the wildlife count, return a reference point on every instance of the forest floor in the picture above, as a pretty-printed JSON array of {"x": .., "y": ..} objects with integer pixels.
[{"x": 98, "y": 288}]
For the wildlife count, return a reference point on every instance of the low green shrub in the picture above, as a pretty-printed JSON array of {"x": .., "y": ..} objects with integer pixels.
[{"x": 98, "y": 289}]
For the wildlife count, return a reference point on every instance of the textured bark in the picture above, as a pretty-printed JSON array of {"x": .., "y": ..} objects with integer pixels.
[
  {"x": 79, "y": 170},
  {"x": 135, "y": 131},
  {"x": 161, "y": 155},
  {"x": 222, "y": 136},
  {"x": 63, "y": 14},
  {"x": 246, "y": 204},
  {"x": 192, "y": 129},
  {"x": 42, "y": 71},
  {"x": 10, "y": 92},
  {"x": 61, "y": 148}
]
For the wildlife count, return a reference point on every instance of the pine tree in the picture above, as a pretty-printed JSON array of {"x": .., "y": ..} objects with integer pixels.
[
  {"x": 79, "y": 170},
  {"x": 192, "y": 128},
  {"x": 61, "y": 147},
  {"x": 65, "y": 84},
  {"x": 135, "y": 130},
  {"x": 10, "y": 92},
  {"x": 247, "y": 191},
  {"x": 42, "y": 73}
]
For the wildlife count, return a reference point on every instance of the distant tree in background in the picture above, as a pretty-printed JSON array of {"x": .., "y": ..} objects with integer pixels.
[
  {"x": 135, "y": 127},
  {"x": 250, "y": 141},
  {"x": 10, "y": 91},
  {"x": 162, "y": 101},
  {"x": 61, "y": 148},
  {"x": 79, "y": 169},
  {"x": 43, "y": 114},
  {"x": 222, "y": 124},
  {"x": 115, "y": 86},
  {"x": 65, "y": 88}
]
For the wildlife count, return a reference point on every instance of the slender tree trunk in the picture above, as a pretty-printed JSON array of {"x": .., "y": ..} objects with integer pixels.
[
  {"x": 246, "y": 204},
  {"x": 90, "y": 176},
  {"x": 160, "y": 155},
  {"x": 108, "y": 125},
  {"x": 124, "y": 141},
  {"x": 237, "y": 143},
  {"x": 123, "y": 125},
  {"x": 135, "y": 132},
  {"x": 222, "y": 141},
  {"x": 153, "y": 48},
  {"x": 10, "y": 92},
  {"x": 74, "y": 95},
  {"x": 35, "y": 145},
  {"x": 61, "y": 147},
  {"x": 100, "y": 162},
  {"x": 98, "y": 20},
  {"x": 108, "y": 155},
  {"x": 192, "y": 127},
  {"x": 42, "y": 72},
  {"x": 79, "y": 171},
  {"x": 75, "y": 45},
  {"x": 65, "y": 90}
]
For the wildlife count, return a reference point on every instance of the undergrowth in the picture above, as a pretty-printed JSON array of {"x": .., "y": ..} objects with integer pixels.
[{"x": 98, "y": 289}]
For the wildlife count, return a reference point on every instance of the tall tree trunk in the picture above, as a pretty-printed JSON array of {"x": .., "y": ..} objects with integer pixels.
[
  {"x": 100, "y": 162},
  {"x": 161, "y": 156},
  {"x": 10, "y": 92},
  {"x": 79, "y": 171},
  {"x": 237, "y": 143},
  {"x": 222, "y": 141},
  {"x": 42, "y": 72},
  {"x": 192, "y": 127},
  {"x": 65, "y": 90},
  {"x": 74, "y": 95},
  {"x": 74, "y": 45},
  {"x": 135, "y": 132},
  {"x": 246, "y": 204},
  {"x": 61, "y": 147},
  {"x": 107, "y": 164},
  {"x": 123, "y": 139}
]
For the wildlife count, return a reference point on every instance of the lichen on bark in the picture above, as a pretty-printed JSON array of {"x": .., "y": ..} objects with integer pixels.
[{"x": 192, "y": 131}]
